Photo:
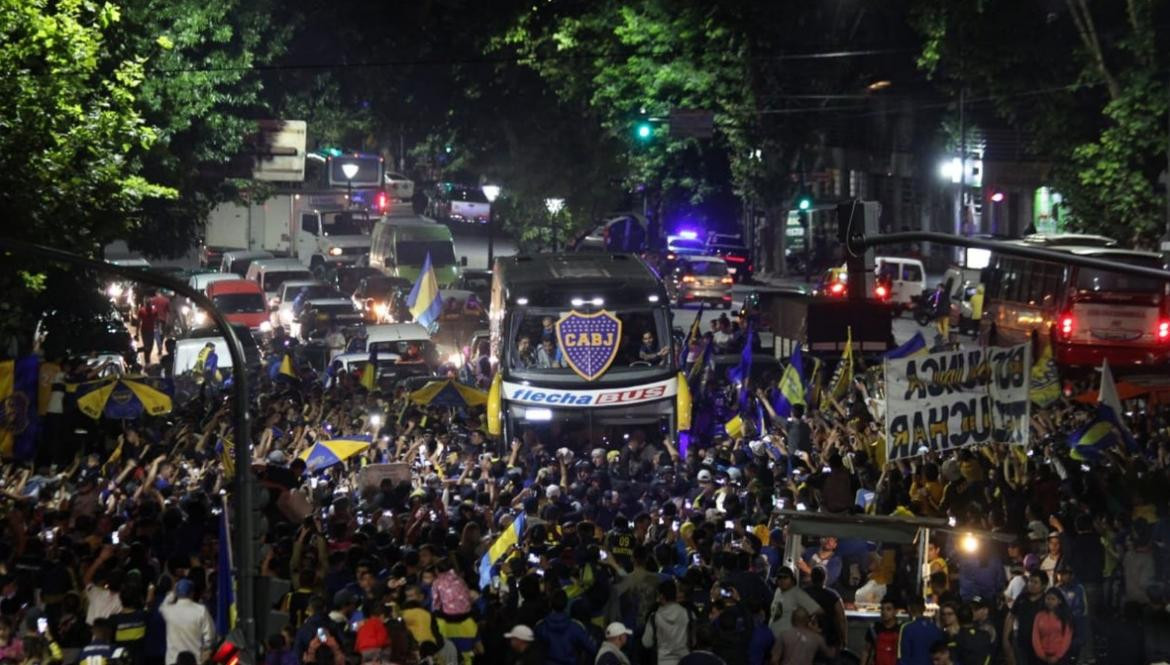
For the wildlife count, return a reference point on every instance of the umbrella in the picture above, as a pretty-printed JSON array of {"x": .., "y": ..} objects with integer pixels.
[
  {"x": 124, "y": 398},
  {"x": 448, "y": 393},
  {"x": 325, "y": 454}
]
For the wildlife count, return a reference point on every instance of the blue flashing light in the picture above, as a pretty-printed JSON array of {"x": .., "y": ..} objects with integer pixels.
[{"x": 689, "y": 235}]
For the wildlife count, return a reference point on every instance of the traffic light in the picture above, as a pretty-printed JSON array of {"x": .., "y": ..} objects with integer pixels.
[
  {"x": 644, "y": 131},
  {"x": 804, "y": 202}
]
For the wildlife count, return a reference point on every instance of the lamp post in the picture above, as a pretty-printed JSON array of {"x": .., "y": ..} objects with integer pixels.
[
  {"x": 491, "y": 193},
  {"x": 554, "y": 206},
  {"x": 349, "y": 170}
]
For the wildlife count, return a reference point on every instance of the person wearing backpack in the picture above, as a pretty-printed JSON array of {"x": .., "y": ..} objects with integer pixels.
[{"x": 670, "y": 629}]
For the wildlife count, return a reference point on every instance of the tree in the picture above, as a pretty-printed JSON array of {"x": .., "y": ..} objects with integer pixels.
[{"x": 1099, "y": 114}]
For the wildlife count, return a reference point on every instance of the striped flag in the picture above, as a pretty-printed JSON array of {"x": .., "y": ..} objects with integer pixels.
[
  {"x": 1045, "y": 388},
  {"x": 791, "y": 385},
  {"x": 502, "y": 544},
  {"x": 915, "y": 346},
  {"x": 843, "y": 376},
  {"x": 424, "y": 301}
]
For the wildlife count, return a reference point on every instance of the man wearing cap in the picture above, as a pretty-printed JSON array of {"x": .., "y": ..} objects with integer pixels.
[
  {"x": 788, "y": 597},
  {"x": 189, "y": 624},
  {"x": 610, "y": 653},
  {"x": 525, "y": 649}
]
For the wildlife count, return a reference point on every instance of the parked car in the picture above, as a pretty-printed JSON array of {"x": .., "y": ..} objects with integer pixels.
[
  {"x": 271, "y": 273},
  {"x": 238, "y": 262},
  {"x": 450, "y": 202},
  {"x": 211, "y": 256},
  {"x": 399, "y": 186}
]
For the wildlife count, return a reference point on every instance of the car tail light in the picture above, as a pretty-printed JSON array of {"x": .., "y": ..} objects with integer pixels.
[
  {"x": 881, "y": 292},
  {"x": 688, "y": 279},
  {"x": 734, "y": 259},
  {"x": 727, "y": 280},
  {"x": 1162, "y": 332},
  {"x": 1065, "y": 326},
  {"x": 837, "y": 288},
  {"x": 381, "y": 201}
]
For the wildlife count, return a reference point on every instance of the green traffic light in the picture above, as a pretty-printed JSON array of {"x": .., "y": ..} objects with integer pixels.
[
  {"x": 644, "y": 131},
  {"x": 804, "y": 203}
]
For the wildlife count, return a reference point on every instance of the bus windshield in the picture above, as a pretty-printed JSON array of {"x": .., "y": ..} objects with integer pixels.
[
  {"x": 532, "y": 343},
  {"x": 414, "y": 252}
]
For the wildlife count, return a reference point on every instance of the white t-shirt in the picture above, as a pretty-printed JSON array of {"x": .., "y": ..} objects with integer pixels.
[
  {"x": 101, "y": 603},
  {"x": 1014, "y": 588},
  {"x": 189, "y": 627},
  {"x": 784, "y": 603}
]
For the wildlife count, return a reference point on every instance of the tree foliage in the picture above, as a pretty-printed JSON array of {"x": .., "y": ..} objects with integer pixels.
[{"x": 1084, "y": 80}]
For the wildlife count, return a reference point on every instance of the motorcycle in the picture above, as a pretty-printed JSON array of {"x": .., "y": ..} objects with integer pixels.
[{"x": 923, "y": 310}]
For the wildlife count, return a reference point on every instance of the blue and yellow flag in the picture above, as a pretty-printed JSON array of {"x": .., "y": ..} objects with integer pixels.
[
  {"x": 1100, "y": 434},
  {"x": 791, "y": 385},
  {"x": 741, "y": 374},
  {"x": 734, "y": 427},
  {"x": 225, "y": 593},
  {"x": 424, "y": 301},
  {"x": 1045, "y": 388},
  {"x": 227, "y": 456},
  {"x": 915, "y": 346},
  {"x": 286, "y": 368},
  {"x": 502, "y": 544},
  {"x": 842, "y": 376}
]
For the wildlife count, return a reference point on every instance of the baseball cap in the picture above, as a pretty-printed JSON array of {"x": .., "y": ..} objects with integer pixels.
[
  {"x": 978, "y": 601},
  {"x": 704, "y": 476},
  {"x": 521, "y": 632},
  {"x": 617, "y": 628},
  {"x": 184, "y": 588}
]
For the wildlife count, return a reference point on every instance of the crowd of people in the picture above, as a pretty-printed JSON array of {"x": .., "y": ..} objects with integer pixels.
[{"x": 638, "y": 552}]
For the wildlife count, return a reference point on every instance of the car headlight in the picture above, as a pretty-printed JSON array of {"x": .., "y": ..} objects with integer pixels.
[
  {"x": 200, "y": 317},
  {"x": 380, "y": 309},
  {"x": 334, "y": 251},
  {"x": 265, "y": 327},
  {"x": 115, "y": 290}
]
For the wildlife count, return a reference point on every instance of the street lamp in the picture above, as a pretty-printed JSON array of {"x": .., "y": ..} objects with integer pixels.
[
  {"x": 349, "y": 170},
  {"x": 554, "y": 206},
  {"x": 491, "y": 192}
]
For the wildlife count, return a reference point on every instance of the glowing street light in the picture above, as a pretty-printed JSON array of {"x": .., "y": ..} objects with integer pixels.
[{"x": 491, "y": 193}]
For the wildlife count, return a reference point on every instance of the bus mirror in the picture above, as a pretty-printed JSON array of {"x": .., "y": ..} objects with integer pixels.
[{"x": 463, "y": 261}]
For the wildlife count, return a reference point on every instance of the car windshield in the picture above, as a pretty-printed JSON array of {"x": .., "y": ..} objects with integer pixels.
[
  {"x": 240, "y": 303},
  {"x": 477, "y": 283},
  {"x": 380, "y": 287},
  {"x": 345, "y": 224},
  {"x": 468, "y": 195},
  {"x": 414, "y": 252},
  {"x": 311, "y": 291},
  {"x": 273, "y": 280}
]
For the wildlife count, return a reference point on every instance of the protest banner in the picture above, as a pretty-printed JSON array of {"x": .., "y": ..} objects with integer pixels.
[{"x": 952, "y": 399}]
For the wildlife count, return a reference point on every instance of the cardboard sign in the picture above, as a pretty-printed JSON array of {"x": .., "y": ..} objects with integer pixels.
[{"x": 373, "y": 474}]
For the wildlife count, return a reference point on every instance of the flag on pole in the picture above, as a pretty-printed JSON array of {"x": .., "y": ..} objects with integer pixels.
[
  {"x": 843, "y": 376},
  {"x": 502, "y": 544},
  {"x": 791, "y": 385},
  {"x": 741, "y": 373},
  {"x": 1098, "y": 435},
  {"x": 1045, "y": 388},
  {"x": 424, "y": 301},
  {"x": 694, "y": 333},
  {"x": 227, "y": 456},
  {"x": 1109, "y": 406},
  {"x": 225, "y": 595},
  {"x": 18, "y": 406}
]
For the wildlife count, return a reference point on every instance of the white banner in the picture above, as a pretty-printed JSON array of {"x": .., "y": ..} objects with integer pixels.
[
  {"x": 576, "y": 399},
  {"x": 943, "y": 401}
]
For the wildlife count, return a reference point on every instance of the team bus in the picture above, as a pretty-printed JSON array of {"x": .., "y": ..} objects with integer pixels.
[
  {"x": 569, "y": 332},
  {"x": 1090, "y": 314}
]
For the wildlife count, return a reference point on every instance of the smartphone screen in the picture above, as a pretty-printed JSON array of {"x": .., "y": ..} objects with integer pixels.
[
  {"x": 604, "y": 556},
  {"x": 42, "y": 625},
  {"x": 728, "y": 524},
  {"x": 322, "y": 635},
  {"x": 674, "y": 525}
]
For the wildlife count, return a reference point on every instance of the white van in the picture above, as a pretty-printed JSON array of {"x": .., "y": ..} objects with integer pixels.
[
  {"x": 907, "y": 278},
  {"x": 238, "y": 261},
  {"x": 271, "y": 273}
]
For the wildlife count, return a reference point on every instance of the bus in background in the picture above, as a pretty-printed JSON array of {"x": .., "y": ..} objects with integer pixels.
[
  {"x": 1090, "y": 314},
  {"x": 401, "y": 241},
  {"x": 569, "y": 332}
]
